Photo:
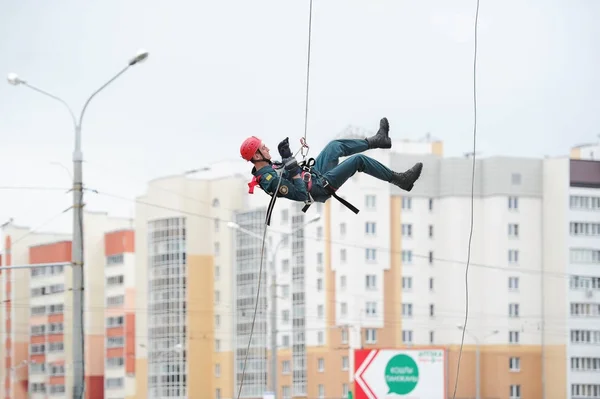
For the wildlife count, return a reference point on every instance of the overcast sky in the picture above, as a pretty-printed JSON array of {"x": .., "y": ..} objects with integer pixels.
[{"x": 220, "y": 71}]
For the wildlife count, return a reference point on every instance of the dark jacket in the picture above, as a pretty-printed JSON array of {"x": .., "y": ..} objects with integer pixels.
[{"x": 290, "y": 188}]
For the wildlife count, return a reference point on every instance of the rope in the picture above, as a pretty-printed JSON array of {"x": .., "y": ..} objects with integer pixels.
[
  {"x": 307, "y": 79},
  {"x": 262, "y": 252},
  {"x": 462, "y": 341}
]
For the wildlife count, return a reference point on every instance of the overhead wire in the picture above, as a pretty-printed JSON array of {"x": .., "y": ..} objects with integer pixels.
[{"x": 464, "y": 327}]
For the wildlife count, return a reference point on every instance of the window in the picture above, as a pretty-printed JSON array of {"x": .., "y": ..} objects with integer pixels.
[
  {"x": 370, "y": 201},
  {"x": 371, "y": 335},
  {"x": 321, "y": 391},
  {"x": 217, "y": 273},
  {"x": 285, "y": 367},
  {"x": 319, "y": 232},
  {"x": 406, "y": 256},
  {"x": 513, "y": 230},
  {"x": 319, "y": 284},
  {"x": 115, "y": 259},
  {"x": 430, "y": 283},
  {"x": 320, "y": 338},
  {"x": 217, "y": 297},
  {"x": 431, "y": 310},
  {"x": 116, "y": 300},
  {"x": 585, "y": 364},
  {"x": 513, "y": 203},
  {"x": 321, "y": 364},
  {"x": 515, "y": 392},
  {"x": 431, "y": 204},
  {"x": 344, "y": 309},
  {"x": 320, "y": 311},
  {"x": 584, "y": 229},
  {"x": 344, "y": 336},
  {"x": 513, "y": 256},
  {"x": 513, "y": 337},
  {"x": 407, "y": 309},
  {"x": 115, "y": 362},
  {"x": 217, "y": 248},
  {"x": 370, "y": 228},
  {"x": 319, "y": 258},
  {"x": 285, "y": 265},
  {"x": 371, "y": 309},
  {"x": 406, "y": 202},
  {"x": 343, "y": 282},
  {"x": 217, "y": 320},
  {"x": 585, "y": 256},
  {"x": 371, "y": 282},
  {"x": 407, "y": 283},
  {"x": 285, "y": 316},
  {"x": 514, "y": 364},
  {"x": 431, "y": 336},
  {"x": 218, "y": 393},
  {"x": 343, "y": 255},
  {"x": 513, "y": 283},
  {"x": 217, "y": 370},
  {"x": 370, "y": 254},
  {"x": 115, "y": 280},
  {"x": 345, "y": 363},
  {"x": 115, "y": 342},
  {"x": 585, "y": 337},
  {"x": 513, "y": 310},
  {"x": 217, "y": 345},
  {"x": 516, "y": 179},
  {"x": 406, "y": 230},
  {"x": 407, "y": 336},
  {"x": 217, "y": 225},
  {"x": 286, "y": 392},
  {"x": 431, "y": 257},
  {"x": 430, "y": 231},
  {"x": 343, "y": 229},
  {"x": 285, "y": 341}
]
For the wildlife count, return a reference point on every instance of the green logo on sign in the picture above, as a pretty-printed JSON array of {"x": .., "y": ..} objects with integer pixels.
[{"x": 401, "y": 375}]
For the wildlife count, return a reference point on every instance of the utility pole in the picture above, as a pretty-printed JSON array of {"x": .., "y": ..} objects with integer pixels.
[
  {"x": 77, "y": 247},
  {"x": 477, "y": 360}
]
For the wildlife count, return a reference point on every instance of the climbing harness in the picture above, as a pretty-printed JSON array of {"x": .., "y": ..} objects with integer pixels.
[{"x": 307, "y": 167}]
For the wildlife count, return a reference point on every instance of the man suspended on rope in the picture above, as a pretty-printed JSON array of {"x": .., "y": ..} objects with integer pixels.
[{"x": 327, "y": 174}]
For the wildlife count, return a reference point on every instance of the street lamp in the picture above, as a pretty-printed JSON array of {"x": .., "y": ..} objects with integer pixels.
[
  {"x": 77, "y": 248},
  {"x": 273, "y": 313},
  {"x": 477, "y": 359}
]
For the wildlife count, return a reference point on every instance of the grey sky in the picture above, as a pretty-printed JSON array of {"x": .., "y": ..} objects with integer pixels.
[{"x": 220, "y": 71}]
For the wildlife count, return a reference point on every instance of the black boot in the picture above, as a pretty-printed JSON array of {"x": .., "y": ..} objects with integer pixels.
[
  {"x": 381, "y": 139},
  {"x": 407, "y": 179}
]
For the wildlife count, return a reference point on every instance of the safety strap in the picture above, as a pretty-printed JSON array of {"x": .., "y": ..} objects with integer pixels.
[{"x": 307, "y": 166}]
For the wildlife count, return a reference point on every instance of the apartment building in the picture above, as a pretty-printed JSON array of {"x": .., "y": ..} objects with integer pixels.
[
  {"x": 572, "y": 250},
  {"x": 37, "y": 347},
  {"x": 120, "y": 313},
  {"x": 183, "y": 259}
]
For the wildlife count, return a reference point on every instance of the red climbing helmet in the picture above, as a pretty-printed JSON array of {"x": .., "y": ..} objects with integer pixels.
[{"x": 249, "y": 147}]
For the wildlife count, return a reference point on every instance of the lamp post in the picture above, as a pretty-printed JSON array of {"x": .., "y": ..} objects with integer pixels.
[
  {"x": 273, "y": 313},
  {"x": 477, "y": 359},
  {"x": 77, "y": 250}
]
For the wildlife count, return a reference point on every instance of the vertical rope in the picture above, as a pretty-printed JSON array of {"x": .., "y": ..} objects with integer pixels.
[
  {"x": 472, "y": 201},
  {"x": 308, "y": 69}
]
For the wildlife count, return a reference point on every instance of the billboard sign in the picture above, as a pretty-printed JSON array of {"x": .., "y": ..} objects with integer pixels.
[{"x": 400, "y": 373}]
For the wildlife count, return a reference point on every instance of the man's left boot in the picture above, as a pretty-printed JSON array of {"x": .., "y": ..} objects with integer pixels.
[
  {"x": 406, "y": 180},
  {"x": 382, "y": 138}
]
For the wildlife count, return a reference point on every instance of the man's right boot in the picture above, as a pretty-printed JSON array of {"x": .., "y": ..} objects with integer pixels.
[
  {"x": 407, "y": 179},
  {"x": 381, "y": 139}
]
